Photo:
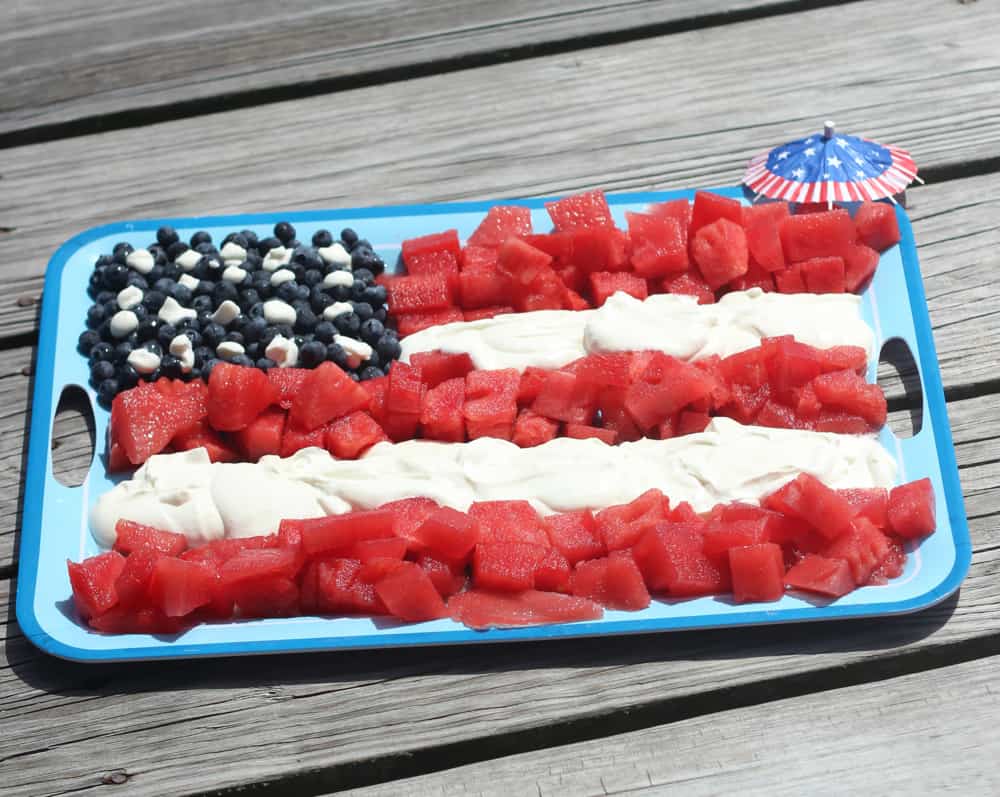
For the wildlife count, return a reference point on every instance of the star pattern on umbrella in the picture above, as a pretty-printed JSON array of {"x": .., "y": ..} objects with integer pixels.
[
  {"x": 783, "y": 155},
  {"x": 798, "y": 173},
  {"x": 809, "y": 152},
  {"x": 834, "y": 161}
]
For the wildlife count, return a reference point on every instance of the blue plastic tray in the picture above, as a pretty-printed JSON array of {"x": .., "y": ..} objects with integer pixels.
[{"x": 55, "y": 517}]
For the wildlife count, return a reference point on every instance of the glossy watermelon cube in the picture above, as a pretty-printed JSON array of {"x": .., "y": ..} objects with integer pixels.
[
  {"x": 757, "y": 572},
  {"x": 603, "y": 284},
  {"x": 690, "y": 284},
  {"x": 848, "y": 392},
  {"x": 484, "y": 287},
  {"x": 377, "y": 390},
  {"x": 403, "y": 401},
  {"x": 411, "y": 323},
  {"x": 131, "y": 537},
  {"x": 441, "y": 415},
  {"x": 659, "y": 245},
  {"x": 860, "y": 262},
  {"x": 509, "y": 521},
  {"x": 871, "y": 503},
  {"x": 553, "y": 572},
  {"x": 825, "y": 234},
  {"x": 545, "y": 292},
  {"x": 532, "y": 429},
  {"x": 262, "y": 435},
  {"x": 821, "y": 507},
  {"x": 340, "y": 591},
  {"x": 328, "y": 393},
  {"x": 911, "y": 509},
  {"x": 351, "y": 436},
  {"x": 448, "y": 533},
  {"x": 249, "y": 564},
  {"x": 720, "y": 251},
  {"x": 671, "y": 559},
  {"x": 506, "y": 566},
  {"x": 144, "y": 620},
  {"x": 790, "y": 365},
  {"x": 501, "y": 223},
  {"x": 666, "y": 386},
  {"x": 557, "y": 244},
  {"x": 582, "y": 431},
  {"x": 177, "y": 587},
  {"x": 580, "y": 211},
  {"x": 487, "y": 312},
  {"x": 814, "y": 573},
  {"x": 408, "y": 514},
  {"x": 433, "y": 263},
  {"x": 93, "y": 582},
  {"x": 446, "y": 241},
  {"x": 823, "y": 274},
  {"x": 295, "y": 439},
  {"x": 709, "y": 208},
  {"x": 718, "y": 537},
  {"x": 287, "y": 382},
  {"x": 329, "y": 535},
  {"x": 611, "y": 369},
  {"x": 366, "y": 551},
  {"x": 522, "y": 262},
  {"x": 877, "y": 226},
  {"x": 790, "y": 280},
  {"x": 564, "y": 396},
  {"x": 480, "y": 609},
  {"x": 620, "y": 526},
  {"x": 475, "y": 258},
  {"x": 761, "y": 223},
  {"x": 575, "y": 535},
  {"x": 491, "y": 403},
  {"x": 144, "y": 420},
  {"x": 600, "y": 249},
  {"x": 409, "y": 594},
  {"x": 447, "y": 578},
  {"x": 424, "y": 293},
  {"x": 132, "y": 584},
  {"x": 677, "y": 209},
  {"x": 438, "y": 366},
  {"x": 756, "y": 277},
  {"x": 615, "y": 582},
  {"x": 863, "y": 547},
  {"x": 237, "y": 395}
]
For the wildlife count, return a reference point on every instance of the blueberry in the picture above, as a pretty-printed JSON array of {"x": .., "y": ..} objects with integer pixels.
[
  {"x": 153, "y": 347},
  {"x": 363, "y": 309},
  {"x": 242, "y": 359},
  {"x": 335, "y": 353},
  {"x": 288, "y": 291},
  {"x": 119, "y": 257},
  {"x": 303, "y": 292},
  {"x": 254, "y": 329},
  {"x": 313, "y": 276},
  {"x": 381, "y": 314},
  {"x": 284, "y": 232},
  {"x": 256, "y": 310},
  {"x": 101, "y": 370},
  {"x": 234, "y": 337},
  {"x": 171, "y": 271},
  {"x": 95, "y": 316},
  {"x": 166, "y": 236},
  {"x": 122, "y": 351},
  {"x": 388, "y": 348},
  {"x": 236, "y": 238},
  {"x": 309, "y": 258},
  {"x": 176, "y": 249},
  {"x": 206, "y": 369},
  {"x": 194, "y": 336},
  {"x": 354, "y": 376},
  {"x": 348, "y": 324},
  {"x": 254, "y": 351},
  {"x": 322, "y": 238},
  {"x": 106, "y": 391},
  {"x": 324, "y": 332},
  {"x": 251, "y": 238},
  {"x": 248, "y": 298},
  {"x": 137, "y": 280},
  {"x": 200, "y": 237},
  {"x": 103, "y": 260},
  {"x": 202, "y": 304},
  {"x": 122, "y": 246},
  {"x": 265, "y": 363},
  {"x": 102, "y": 351},
  {"x": 349, "y": 237},
  {"x": 375, "y": 295},
  {"x": 205, "y": 288},
  {"x": 340, "y": 293},
  {"x": 165, "y": 334},
  {"x": 364, "y": 275},
  {"x": 128, "y": 377},
  {"x": 206, "y": 249},
  {"x": 305, "y": 320},
  {"x": 265, "y": 245},
  {"x": 373, "y": 360},
  {"x": 171, "y": 366},
  {"x": 372, "y": 331},
  {"x": 225, "y": 291},
  {"x": 312, "y": 354},
  {"x": 95, "y": 282},
  {"x": 182, "y": 293},
  {"x": 285, "y": 330},
  {"x": 87, "y": 340},
  {"x": 155, "y": 273},
  {"x": 149, "y": 328},
  {"x": 116, "y": 277},
  {"x": 164, "y": 285},
  {"x": 188, "y": 323},
  {"x": 319, "y": 299},
  {"x": 370, "y": 372},
  {"x": 357, "y": 291},
  {"x": 269, "y": 334},
  {"x": 253, "y": 261}
]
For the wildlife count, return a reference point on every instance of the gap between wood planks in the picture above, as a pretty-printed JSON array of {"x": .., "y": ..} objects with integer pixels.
[{"x": 235, "y": 100}]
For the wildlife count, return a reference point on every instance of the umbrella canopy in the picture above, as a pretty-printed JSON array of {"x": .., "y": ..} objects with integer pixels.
[{"x": 830, "y": 167}]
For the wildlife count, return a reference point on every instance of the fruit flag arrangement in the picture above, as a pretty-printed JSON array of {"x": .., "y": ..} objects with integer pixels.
[{"x": 298, "y": 347}]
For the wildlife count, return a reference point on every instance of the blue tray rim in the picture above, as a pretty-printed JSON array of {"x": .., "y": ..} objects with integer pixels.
[{"x": 934, "y": 403}]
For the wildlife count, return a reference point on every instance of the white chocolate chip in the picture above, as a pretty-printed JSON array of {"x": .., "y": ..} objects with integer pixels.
[
  {"x": 187, "y": 260},
  {"x": 283, "y": 351},
  {"x": 233, "y": 253},
  {"x": 129, "y": 297},
  {"x": 278, "y": 312},
  {"x": 226, "y": 313},
  {"x": 229, "y": 349},
  {"x": 123, "y": 323},
  {"x": 357, "y": 350},
  {"x": 234, "y": 274},
  {"x": 144, "y": 361},
  {"x": 172, "y": 312},
  {"x": 276, "y": 258},
  {"x": 337, "y": 309},
  {"x": 182, "y": 349},
  {"x": 188, "y": 281},
  {"x": 334, "y": 278},
  {"x": 282, "y": 275},
  {"x": 213, "y": 263},
  {"x": 141, "y": 260},
  {"x": 335, "y": 255}
]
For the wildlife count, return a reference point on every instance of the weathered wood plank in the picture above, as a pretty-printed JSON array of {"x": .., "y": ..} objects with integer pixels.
[
  {"x": 155, "y": 54},
  {"x": 837, "y": 737},
  {"x": 316, "y": 715},
  {"x": 488, "y": 132}
]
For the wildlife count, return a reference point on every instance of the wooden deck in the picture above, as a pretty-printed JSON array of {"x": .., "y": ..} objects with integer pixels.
[{"x": 184, "y": 108}]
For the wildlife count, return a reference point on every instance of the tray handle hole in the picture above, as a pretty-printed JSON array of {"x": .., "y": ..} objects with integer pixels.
[
  {"x": 899, "y": 378},
  {"x": 73, "y": 436}
]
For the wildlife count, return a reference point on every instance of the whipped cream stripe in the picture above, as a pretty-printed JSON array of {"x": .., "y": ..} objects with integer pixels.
[
  {"x": 671, "y": 323},
  {"x": 186, "y": 493}
]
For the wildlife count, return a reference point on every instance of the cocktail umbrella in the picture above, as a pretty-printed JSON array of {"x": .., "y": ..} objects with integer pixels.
[{"x": 830, "y": 167}]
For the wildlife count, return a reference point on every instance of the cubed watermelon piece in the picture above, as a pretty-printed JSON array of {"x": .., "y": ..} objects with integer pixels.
[
  {"x": 790, "y": 280},
  {"x": 480, "y": 609},
  {"x": 509, "y": 521},
  {"x": 250, "y": 564},
  {"x": 823, "y": 274},
  {"x": 758, "y": 572},
  {"x": 557, "y": 244},
  {"x": 564, "y": 396},
  {"x": 690, "y": 284},
  {"x": 911, "y": 509},
  {"x": 614, "y": 582},
  {"x": 778, "y": 416},
  {"x": 237, "y": 395},
  {"x": 581, "y": 431},
  {"x": 125, "y": 620},
  {"x": 522, "y": 262},
  {"x": 845, "y": 358},
  {"x": 600, "y": 249},
  {"x": 377, "y": 390},
  {"x": 677, "y": 209},
  {"x": 177, "y": 587},
  {"x": 603, "y": 284},
  {"x": 438, "y": 366},
  {"x": 726, "y": 533},
  {"x": 860, "y": 262},
  {"x": 93, "y": 582},
  {"x": 433, "y": 263},
  {"x": 366, "y": 551},
  {"x": 487, "y": 312},
  {"x": 709, "y": 208},
  {"x": 403, "y": 401},
  {"x": 328, "y": 393},
  {"x": 620, "y": 526},
  {"x": 580, "y": 211},
  {"x": 891, "y": 567},
  {"x": 756, "y": 277},
  {"x": 351, "y": 436},
  {"x": 501, "y": 223},
  {"x": 666, "y": 386},
  {"x": 409, "y": 594},
  {"x": 327, "y": 535},
  {"x": 287, "y": 382},
  {"x": 659, "y": 245},
  {"x": 826, "y": 234},
  {"x": 408, "y": 514},
  {"x": 821, "y": 507},
  {"x": 295, "y": 439},
  {"x": 532, "y": 429},
  {"x": 863, "y": 547},
  {"x": 446, "y": 241},
  {"x": 131, "y": 537},
  {"x": 411, "y": 323},
  {"x": 448, "y": 532},
  {"x": 484, "y": 287},
  {"x": 611, "y": 369},
  {"x": 814, "y": 573},
  {"x": 871, "y": 503},
  {"x": 790, "y": 365},
  {"x": 876, "y": 225},
  {"x": 441, "y": 415},
  {"x": 475, "y": 258},
  {"x": 553, "y": 572},
  {"x": 447, "y": 578},
  {"x": 262, "y": 435},
  {"x": 690, "y": 422},
  {"x": 847, "y": 391},
  {"x": 340, "y": 591},
  {"x": 132, "y": 584},
  {"x": 506, "y": 566},
  {"x": 546, "y": 292},
  {"x": 671, "y": 559},
  {"x": 761, "y": 223},
  {"x": 531, "y": 384},
  {"x": 144, "y": 420},
  {"x": 720, "y": 251},
  {"x": 419, "y": 294},
  {"x": 575, "y": 535},
  {"x": 491, "y": 403}
]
